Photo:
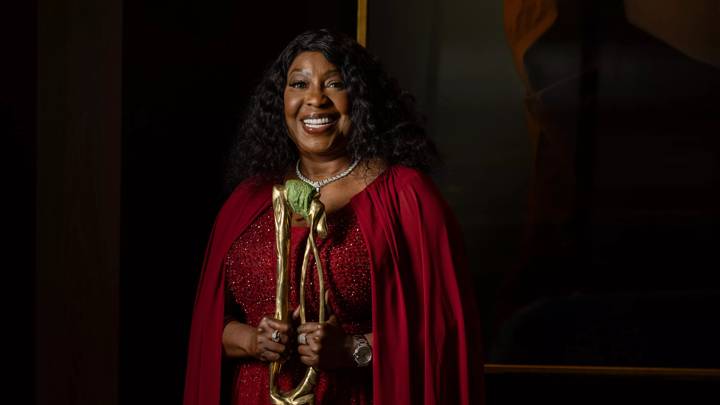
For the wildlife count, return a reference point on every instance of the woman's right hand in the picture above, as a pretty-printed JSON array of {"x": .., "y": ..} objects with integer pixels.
[
  {"x": 241, "y": 340},
  {"x": 271, "y": 339}
]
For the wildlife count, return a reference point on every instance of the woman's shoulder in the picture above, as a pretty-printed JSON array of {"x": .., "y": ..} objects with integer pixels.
[
  {"x": 411, "y": 179},
  {"x": 399, "y": 184},
  {"x": 410, "y": 173},
  {"x": 251, "y": 185},
  {"x": 410, "y": 194},
  {"x": 253, "y": 191}
]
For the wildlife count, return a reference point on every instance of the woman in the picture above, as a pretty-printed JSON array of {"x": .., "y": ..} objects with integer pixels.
[{"x": 403, "y": 327}]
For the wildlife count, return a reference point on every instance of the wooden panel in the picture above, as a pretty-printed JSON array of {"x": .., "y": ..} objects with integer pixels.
[{"x": 679, "y": 373}]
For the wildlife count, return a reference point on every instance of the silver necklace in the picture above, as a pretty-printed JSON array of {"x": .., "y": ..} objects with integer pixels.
[{"x": 326, "y": 181}]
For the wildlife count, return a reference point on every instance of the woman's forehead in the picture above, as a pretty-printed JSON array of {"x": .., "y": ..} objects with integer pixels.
[{"x": 312, "y": 62}]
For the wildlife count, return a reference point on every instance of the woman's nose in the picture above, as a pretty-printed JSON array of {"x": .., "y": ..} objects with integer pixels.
[{"x": 316, "y": 96}]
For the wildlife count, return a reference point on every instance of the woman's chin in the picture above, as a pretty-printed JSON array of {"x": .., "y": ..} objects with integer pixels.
[
  {"x": 321, "y": 150},
  {"x": 320, "y": 144}
]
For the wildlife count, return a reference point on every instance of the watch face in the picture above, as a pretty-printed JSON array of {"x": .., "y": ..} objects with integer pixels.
[{"x": 363, "y": 355}]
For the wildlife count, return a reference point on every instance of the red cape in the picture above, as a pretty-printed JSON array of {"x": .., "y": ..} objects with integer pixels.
[{"x": 426, "y": 340}]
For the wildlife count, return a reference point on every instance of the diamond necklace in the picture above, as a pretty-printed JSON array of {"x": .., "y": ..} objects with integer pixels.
[{"x": 326, "y": 181}]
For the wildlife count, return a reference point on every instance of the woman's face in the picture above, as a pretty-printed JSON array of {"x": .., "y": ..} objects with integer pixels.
[{"x": 317, "y": 106}]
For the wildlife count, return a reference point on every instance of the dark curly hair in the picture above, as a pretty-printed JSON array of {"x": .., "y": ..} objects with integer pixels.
[{"x": 385, "y": 123}]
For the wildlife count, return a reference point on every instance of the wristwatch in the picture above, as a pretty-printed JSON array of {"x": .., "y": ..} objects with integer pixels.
[{"x": 362, "y": 352}]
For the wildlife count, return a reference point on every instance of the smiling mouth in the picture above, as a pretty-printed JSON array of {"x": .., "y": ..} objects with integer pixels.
[{"x": 318, "y": 124}]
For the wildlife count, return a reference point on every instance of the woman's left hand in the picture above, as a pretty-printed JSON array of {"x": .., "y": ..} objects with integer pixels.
[{"x": 328, "y": 347}]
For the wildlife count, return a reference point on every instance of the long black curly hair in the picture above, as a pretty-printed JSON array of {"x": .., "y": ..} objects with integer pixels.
[{"x": 385, "y": 123}]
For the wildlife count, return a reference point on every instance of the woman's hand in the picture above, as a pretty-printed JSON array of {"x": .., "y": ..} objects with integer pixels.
[
  {"x": 271, "y": 339},
  {"x": 241, "y": 340},
  {"x": 327, "y": 346}
]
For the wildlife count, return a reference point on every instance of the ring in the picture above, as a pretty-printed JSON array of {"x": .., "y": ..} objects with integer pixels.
[
  {"x": 275, "y": 336},
  {"x": 302, "y": 339}
]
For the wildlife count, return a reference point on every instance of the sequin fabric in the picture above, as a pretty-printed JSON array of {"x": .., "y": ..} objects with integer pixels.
[{"x": 250, "y": 271}]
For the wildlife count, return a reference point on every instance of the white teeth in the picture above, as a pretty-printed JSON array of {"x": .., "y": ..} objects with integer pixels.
[{"x": 316, "y": 121}]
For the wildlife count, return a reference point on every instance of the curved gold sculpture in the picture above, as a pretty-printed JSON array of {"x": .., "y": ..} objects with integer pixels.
[{"x": 304, "y": 393}]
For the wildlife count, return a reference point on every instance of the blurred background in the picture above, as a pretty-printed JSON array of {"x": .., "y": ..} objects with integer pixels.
[
  {"x": 581, "y": 145},
  {"x": 581, "y": 151}
]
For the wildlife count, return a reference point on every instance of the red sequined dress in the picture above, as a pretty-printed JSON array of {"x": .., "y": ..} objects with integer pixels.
[{"x": 250, "y": 267}]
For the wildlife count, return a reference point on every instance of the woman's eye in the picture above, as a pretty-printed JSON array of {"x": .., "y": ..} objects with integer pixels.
[
  {"x": 337, "y": 85},
  {"x": 298, "y": 84}
]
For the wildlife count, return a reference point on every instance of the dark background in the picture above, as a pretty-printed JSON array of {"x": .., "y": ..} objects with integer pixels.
[
  {"x": 454, "y": 57},
  {"x": 592, "y": 237},
  {"x": 119, "y": 115},
  {"x": 18, "y": 33}
]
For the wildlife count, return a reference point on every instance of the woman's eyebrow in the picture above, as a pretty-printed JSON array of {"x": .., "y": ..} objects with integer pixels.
[
  {"x": 331, "y": 72},
  {"x": 308, "y": 72},
  {"x": 299, "y": 70}
]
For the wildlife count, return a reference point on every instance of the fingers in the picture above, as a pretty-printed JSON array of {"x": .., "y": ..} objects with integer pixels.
[
  {"x": 328, "y": 306},
  {"x": 267, "y": 343},
  {"x": 272, "y": 338},
  {"x": 296, "y": 317},
  {"x": 274, "y": 324},
  {"x": 322, "y": 345},
  {"x": 270, "y": 351},
  {"x": 308, "y": 356},
  {"x": 310, "y": 352},
  {"x": 268, "y": 326},
  {"x": 332, "y": 320},
  {"x": 317, "y": 332},
  {"x": 327, "y": 301},
  {"x": 267, "y": 349},
  {"x": 309, "y": 327},
  {"x": 311, "y": 336}
]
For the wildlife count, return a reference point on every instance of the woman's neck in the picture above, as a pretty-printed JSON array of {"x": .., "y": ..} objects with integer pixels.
[{"x": 316, "y": 169}]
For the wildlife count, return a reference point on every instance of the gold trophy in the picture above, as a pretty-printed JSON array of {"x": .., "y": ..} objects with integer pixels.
[{"x": 301, "y": 198}]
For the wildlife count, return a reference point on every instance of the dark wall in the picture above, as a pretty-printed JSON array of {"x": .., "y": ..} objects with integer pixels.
[
  {"x": 453, "y": 56},
  {"x": 17, "y": 127},
  {"x": 77, "y": 210},
  {"x": 589, "y": 216},
  {"x": 624, "y": 199},
  {"x": 188, "y": 71}
]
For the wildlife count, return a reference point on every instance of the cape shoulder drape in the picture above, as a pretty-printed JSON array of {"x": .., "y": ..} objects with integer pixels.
[{"x": 425, "y": 323}]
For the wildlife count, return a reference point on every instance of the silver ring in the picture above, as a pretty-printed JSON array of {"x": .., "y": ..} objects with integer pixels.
[
  {"x": 302, "y": 339},
  {"x": 275, "y": 336}
]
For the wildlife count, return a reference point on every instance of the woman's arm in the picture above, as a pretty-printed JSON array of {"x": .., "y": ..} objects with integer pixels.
[{"x": 239, "y": 340}]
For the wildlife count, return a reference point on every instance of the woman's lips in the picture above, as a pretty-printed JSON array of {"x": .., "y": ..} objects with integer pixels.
[{"x": 317, "y": 125}]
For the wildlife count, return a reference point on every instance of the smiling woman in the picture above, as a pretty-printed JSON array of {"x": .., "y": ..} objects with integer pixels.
[
  {"x": 317, "y": 108},
  {"x": 402, "y": 324},
  {"x": 350, "y": 85}
]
